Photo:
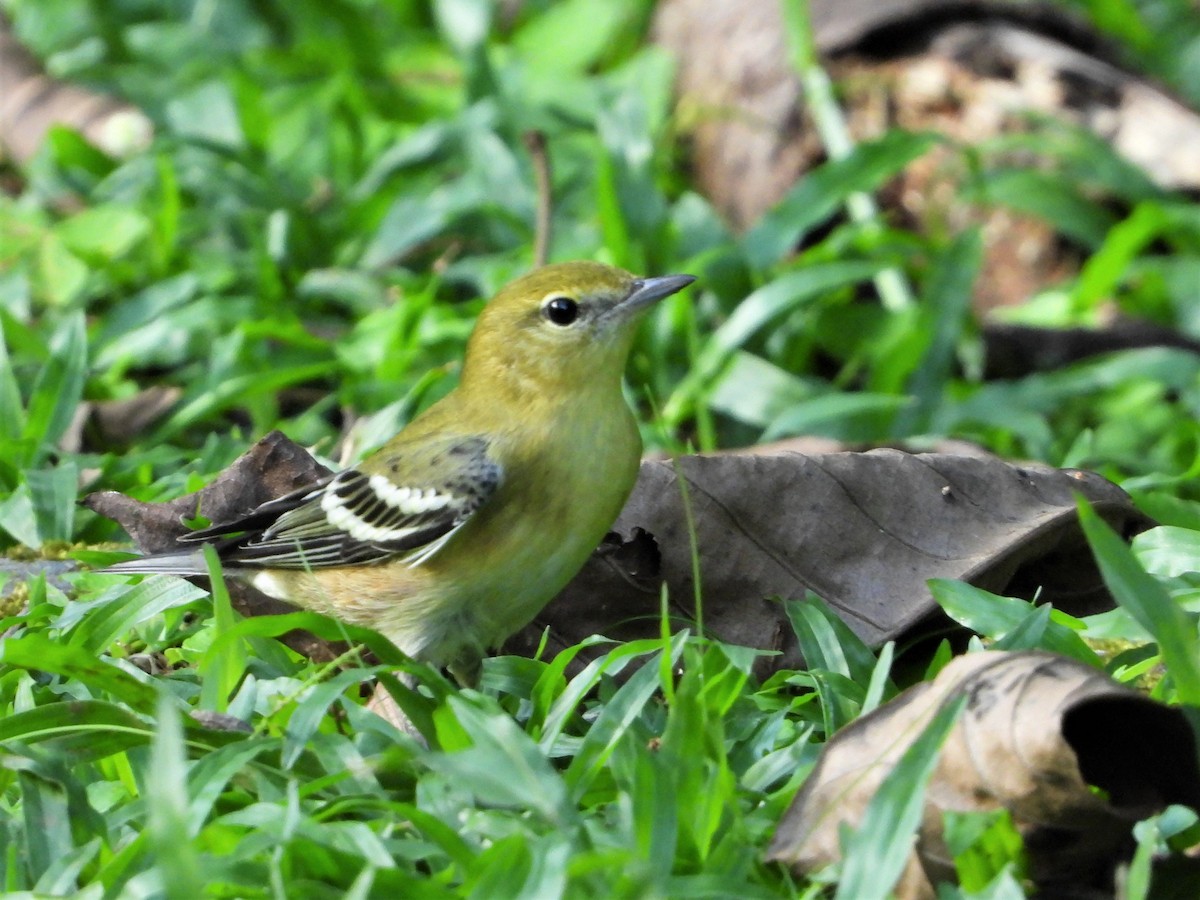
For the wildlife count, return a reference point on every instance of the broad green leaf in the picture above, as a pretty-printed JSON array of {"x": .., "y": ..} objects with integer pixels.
[
  {"x": 103, "y": 232},
  {"x": 500, "y": 867},
  {"x": 37, "y": 652},
  {"x": 754, "y": 390},
  {"x": 1168, "y": 551},
  {"x": 786, "y": 294},
  {"x": 233, "y": 390},
  {"x": 18, "y": 516},
  {"x": 880, "y": 686},
  {"x": 826, "y": 642},
  {"x": 1148, "y": 602},
  {"x": 818, "y": 195},
  {"x": 778, "y": 765},
  {"x": 61, "y": 878},
  {"x": 1047, "y": 196},
  {"x": 416, "y": 218},
  {"x": 224, "y": 663},
  {"x": 552, "y": 683},
  {"x": 615, "y": 720},
  {"x": 464, "y": 23},
  {"x": 570, "y": 36},
  {"x": 61, "y": 276},
  {"x": 53, "y": 495},
  {"x": 58, "y": 389},
  {"x": 997, "y": 617},
  {"x": 207, "y": 112},
  {"x": 612, "y": 663},
  {"x": 312, "y": 708},
  {"x": 331, "y": 630},
  {"x": 1105, "y": 269},
  {"x": 945, "y": 313},
  {"x": 841, "y": 698},
  {"x": 79, "y": 731},
  {"x": 502, "y": 765},
  {"x": 120, "y": 615},
  {"x": 210, "y": 775},
  {"x": 47, "y": 822},
  {"x": 841, "y": 415},
  {"x": 12, "y": 410}
]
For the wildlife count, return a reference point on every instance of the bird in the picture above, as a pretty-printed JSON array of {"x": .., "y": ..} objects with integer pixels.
[{"x": 458, "y": 530}]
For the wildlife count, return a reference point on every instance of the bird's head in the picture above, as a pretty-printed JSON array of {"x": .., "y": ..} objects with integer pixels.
[{"x": 564, "y": 322}]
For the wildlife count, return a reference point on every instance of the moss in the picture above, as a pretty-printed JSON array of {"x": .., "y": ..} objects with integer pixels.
[{"x": 12, "y": 600}]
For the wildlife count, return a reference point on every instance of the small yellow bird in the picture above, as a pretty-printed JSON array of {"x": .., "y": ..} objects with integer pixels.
[{"x": 458, "y": 530}]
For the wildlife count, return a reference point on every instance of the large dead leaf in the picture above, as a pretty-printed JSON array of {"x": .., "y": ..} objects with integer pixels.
[
  {"x": 864, "y": 530},
  {"x": 1038, "y": 731}
]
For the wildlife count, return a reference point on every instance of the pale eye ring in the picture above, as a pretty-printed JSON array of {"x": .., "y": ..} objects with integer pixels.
[{"x": 561, "y": 311}]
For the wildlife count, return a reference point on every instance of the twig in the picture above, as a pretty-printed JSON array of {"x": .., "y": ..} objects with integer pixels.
[{"x": 535, "y": 142}]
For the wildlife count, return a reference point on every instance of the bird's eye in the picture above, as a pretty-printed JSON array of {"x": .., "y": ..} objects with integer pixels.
[{"x": 561, "y": 310}]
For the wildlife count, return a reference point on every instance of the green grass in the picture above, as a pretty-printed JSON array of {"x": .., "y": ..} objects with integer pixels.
[{"x": 334, "y": 187}]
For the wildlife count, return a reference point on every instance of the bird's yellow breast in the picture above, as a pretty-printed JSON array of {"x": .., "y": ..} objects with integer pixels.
[{"x": 552, "y": 510}]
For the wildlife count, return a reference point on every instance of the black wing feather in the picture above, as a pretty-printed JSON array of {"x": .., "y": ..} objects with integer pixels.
[{"x": 359, "y": 517}]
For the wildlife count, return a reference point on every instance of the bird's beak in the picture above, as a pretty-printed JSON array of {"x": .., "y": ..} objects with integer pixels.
[{"x": 648, "y": 291}]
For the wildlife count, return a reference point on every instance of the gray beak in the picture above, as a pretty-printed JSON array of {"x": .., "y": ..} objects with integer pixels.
[{"x": 648, "y": 291}]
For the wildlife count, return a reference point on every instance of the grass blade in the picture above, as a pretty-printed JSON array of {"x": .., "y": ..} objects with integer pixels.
[
  {"x": 876, "y": 853},
  {"x": 167, "y": 821},
  {"x": 1148, "y": 602}
]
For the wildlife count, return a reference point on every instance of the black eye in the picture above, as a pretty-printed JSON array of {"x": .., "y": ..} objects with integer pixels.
[{"x": 562, "y": 310}]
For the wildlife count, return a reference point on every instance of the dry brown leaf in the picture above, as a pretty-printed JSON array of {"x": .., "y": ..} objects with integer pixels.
[
  {"x": 271, "y": 468},
  {"x": 864, "y": 530},
  {"x": 1037, "y": 732},
  {"x": 121, "y": 421},
  {"x": 108, "y": 422},
  {"x": 31, "y": 103}
]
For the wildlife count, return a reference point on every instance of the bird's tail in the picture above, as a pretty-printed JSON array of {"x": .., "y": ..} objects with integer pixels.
[{"x": 175, "y": 562}]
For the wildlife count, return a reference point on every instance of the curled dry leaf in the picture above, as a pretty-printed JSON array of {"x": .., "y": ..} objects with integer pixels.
[
  {"x": 121, "y": 421},
  {"x": 271, "y": 468},
  {"x": 866, "y": 531},
  {"x": 1038, "y": 732}
]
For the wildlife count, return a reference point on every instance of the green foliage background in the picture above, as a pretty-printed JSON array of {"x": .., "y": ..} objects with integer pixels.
[{"x": 334, "y": 185}]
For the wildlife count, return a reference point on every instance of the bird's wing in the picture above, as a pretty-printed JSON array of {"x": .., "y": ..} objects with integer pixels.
[{"x": 409, "y": 506}]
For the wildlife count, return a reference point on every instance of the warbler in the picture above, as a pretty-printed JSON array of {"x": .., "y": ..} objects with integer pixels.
[{"x": 457, "y": 531}]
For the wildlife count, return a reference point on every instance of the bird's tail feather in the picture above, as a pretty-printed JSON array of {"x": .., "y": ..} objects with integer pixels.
[{"x": 187, "y": 562}]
